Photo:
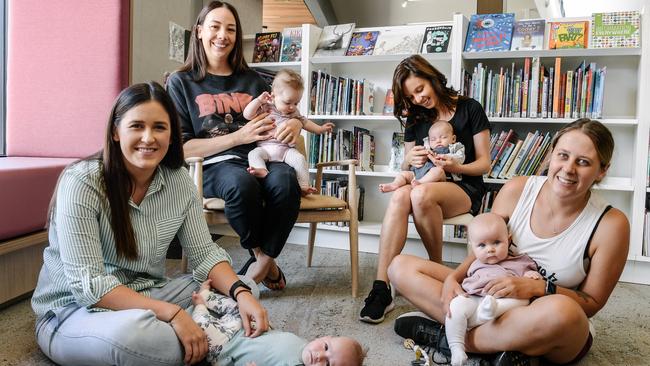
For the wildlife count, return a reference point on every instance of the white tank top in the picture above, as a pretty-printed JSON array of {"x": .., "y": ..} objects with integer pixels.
[{"x": 559, "y": 258}]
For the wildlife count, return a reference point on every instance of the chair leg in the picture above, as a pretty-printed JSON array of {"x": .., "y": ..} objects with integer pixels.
[
  {"x": 354, "y": 255},
  {"x": 183, "y": 263},
  {"x": 310, "y": 242}
]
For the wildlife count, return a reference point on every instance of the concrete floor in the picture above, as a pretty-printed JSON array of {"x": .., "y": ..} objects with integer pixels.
[{"x": 317, "y": 302}]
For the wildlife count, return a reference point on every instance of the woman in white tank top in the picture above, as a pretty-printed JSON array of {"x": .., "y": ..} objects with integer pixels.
[{"x": 580, "y": 244}]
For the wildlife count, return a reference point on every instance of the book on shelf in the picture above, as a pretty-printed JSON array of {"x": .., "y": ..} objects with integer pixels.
[
  {"x": 341, "y": 145},
  {"x": 291, "y": 44},
  {"x": 403, "y": 40},
  {"x": 334, "y": 40},
  {"x": 396, "y": 152},
  {"x": 389, "y": 103},
  {"x": 568, "y": 34},
  {"x": 267, "y": 47},
  {"x": 537, "y": 90},
  {"x": 489, "y": 32},
  {"x": 332, "y": 95},
  {"x": 436, "y": 39},
  {"x": 528, "y": 34},
  {"x": 339, "y": 188},
  {"x": 616, "y": 29},
  {"x": 362, "y": 43}
]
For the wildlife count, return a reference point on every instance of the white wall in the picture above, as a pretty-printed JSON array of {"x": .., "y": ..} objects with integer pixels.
[{"x": 375, "y": 13}]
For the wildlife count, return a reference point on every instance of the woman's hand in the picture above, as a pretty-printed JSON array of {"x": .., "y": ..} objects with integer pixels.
[
  {"x": 192, "y": 337},
  {"x": 450, "y": 289},
  {"x": 417, "y": 156},
  {"x": 255, "y": 130},
  {"x": 252, "y": 312},
  {"x": 288, "y": 132},
  {"x": 446, "y": 162},
  {"x": 514, "y": 287}
]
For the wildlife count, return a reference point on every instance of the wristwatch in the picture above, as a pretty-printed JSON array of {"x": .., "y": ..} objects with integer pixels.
[
  {"x": 551, "y": 289},
  {"x": 235, "y": 286}
]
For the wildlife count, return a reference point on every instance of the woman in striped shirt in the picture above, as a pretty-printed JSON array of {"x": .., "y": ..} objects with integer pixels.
[{"x": 102, "y": 297}]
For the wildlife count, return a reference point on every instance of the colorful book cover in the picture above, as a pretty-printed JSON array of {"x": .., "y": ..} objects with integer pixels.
[
  {"x": 489, "y": 32},
  {"x": 362, "y": 43},
  {"x": 267, "y": 47},
  {"x": 334, "y": 40},
  {"x": 399, "y": 41},
  {"x": 528, "y": 35},
  {"x": 291, "y": 44},
  {"x": 617, "y": 29},
  {"x": 389, "y": 103},
  {"x": 436, "y": 39},
  {"x": 568, "y": 34},
  {"x": 396, "y": 152}
]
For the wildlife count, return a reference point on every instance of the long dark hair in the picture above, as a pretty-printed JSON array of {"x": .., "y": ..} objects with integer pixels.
[
  {"x": 197, "y": 61},
  {"x": 417, "y": 66},
  {"x": 118, "y": 184}
]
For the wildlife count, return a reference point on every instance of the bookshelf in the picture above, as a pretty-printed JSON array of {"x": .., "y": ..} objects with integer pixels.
[{"x": 626, "y": 112}]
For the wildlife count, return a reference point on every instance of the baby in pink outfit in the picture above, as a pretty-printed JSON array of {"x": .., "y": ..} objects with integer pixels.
[
  {"x": 282, "y": 105},
  {"x": 488, "y": 236}
]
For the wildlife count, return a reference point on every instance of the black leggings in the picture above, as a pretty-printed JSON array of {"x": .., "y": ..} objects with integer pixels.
[{"x": 261, "y": 211}]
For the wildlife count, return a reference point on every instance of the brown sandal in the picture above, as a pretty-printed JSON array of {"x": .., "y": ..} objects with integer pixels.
[{"x": 277, "y": 284}]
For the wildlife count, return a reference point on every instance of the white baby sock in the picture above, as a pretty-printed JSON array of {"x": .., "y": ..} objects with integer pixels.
[{"x": 487, "y": 309}]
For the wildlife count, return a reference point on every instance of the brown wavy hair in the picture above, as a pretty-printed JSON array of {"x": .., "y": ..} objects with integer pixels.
[
  {"x": 417, "y": 66},
  {"x": 197, "y": 61}
]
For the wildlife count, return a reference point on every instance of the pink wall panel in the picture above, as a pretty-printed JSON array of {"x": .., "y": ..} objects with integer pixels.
[{"x": 67, "y": 61}]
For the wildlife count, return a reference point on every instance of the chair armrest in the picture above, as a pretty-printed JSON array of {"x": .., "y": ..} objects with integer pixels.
[
  {"x": 352, "y": 180},
  {"x": 196, "y": 172},
  {"x": 338, "y": 163}
]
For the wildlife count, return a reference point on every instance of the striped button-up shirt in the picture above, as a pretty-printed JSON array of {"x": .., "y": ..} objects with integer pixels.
[{"x": 81, "y": 264}]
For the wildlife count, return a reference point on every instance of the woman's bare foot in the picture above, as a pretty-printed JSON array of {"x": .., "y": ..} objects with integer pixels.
[
  {"x": 259, "y": 173},
  {"x": 308, "y": 190},
  {"x": 388, "y": 187}
]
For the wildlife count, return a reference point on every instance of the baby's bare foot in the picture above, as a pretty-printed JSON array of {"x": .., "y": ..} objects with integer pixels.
[
  {"x": 415, "y": 182},
  {"x": 259, "y": 173},
  {"x": 388, "y": 187},
  {"x": 197, "y": 299},
  {"x": 308, "y": 190}
]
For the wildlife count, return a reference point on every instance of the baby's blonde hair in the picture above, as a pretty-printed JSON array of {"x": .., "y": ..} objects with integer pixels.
[
  {"x": 442, "y": 124},
  {"x": 288, "y": 78}
]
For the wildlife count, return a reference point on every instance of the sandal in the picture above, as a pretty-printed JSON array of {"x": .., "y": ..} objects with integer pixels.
[
  {"x": 277, "y": 284},
  {"x": 248, "y": 263}
]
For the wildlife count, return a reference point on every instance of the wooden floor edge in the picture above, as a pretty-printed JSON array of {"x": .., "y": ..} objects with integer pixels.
[{"x": 22, "y": 242}]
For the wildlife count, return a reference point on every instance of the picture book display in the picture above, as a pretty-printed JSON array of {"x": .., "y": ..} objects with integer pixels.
[
  {"x": 528, "y": 35},
  {"x": 489, "y": 32},
  {"x": 399, "y": 41},
  {"x": 334, "y": 40},
  {"x": 362, "y": 43},
  {"x": 616, "y": 29},
  {"x": 291, "y": 44},
  {"x": 396, "y": 152},
  {"x": 267, "y": 47},
  {"x": 568, "y": 34},
  {"x": 389, "y": 103},
  {"x": 436, "y": 39}
]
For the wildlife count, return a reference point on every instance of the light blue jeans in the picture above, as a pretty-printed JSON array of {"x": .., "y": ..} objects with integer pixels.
[{"x": 73, "y": 336}]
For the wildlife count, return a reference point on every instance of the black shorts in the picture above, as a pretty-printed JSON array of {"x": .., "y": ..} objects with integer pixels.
[{"x": 475, "y": 193}]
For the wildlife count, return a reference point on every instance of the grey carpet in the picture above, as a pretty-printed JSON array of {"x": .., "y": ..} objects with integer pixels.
[{"x": 317, "y": 302}]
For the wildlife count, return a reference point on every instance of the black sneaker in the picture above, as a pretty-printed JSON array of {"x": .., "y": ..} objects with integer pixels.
[
  {"x": 513, "y": 358},
  {"x": 378, "y": 303},
  {"x": 423, "y": 330}
]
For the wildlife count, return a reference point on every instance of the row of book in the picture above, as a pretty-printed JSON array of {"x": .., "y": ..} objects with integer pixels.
[
  {"x": 339, "y": 188},
  {"x": 536, "y": 90},
  {"x": 512, "y": 156},
  {"x": 343, "y": 144},
  {"x": 500, "y": 32},
  {"x": 337, "y": 95}
]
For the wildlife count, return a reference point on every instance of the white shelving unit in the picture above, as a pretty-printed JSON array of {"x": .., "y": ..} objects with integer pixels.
[{"x": 626, "y": 112}]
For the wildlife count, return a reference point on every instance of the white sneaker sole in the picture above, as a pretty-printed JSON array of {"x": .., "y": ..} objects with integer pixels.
[{"x": 367, "y": 319}]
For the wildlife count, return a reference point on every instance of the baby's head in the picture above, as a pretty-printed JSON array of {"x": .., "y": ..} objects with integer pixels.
[
  {"x": 334, "y": 351},
  {"x": 441, "y": 134},
  {"x": 488, "y": 236},
  {"x": 287, "y": 91}
]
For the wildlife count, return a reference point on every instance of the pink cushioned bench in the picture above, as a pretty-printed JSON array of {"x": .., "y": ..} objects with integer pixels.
[{"x": 60, "y": 88}]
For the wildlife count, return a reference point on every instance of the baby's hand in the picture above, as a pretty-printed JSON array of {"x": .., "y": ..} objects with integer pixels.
[
  {"x": 533, "y": 275},
  {"x": 326, "y": 127},
  {"x": 265, "y": 98}
]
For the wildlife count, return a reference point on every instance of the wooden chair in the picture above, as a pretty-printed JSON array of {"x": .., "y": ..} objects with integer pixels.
[{"x": 314, "y": 208}]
